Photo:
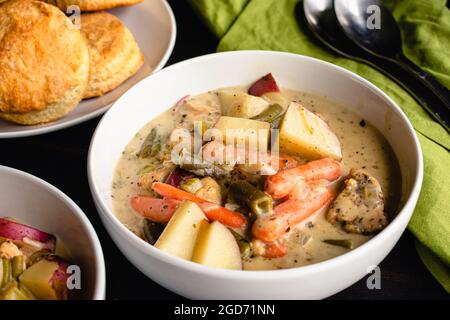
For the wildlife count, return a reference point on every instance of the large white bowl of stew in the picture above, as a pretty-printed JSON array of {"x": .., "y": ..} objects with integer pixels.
[
  {"x": 48, "y": 248},
  {"x": 320, "y": 202}
]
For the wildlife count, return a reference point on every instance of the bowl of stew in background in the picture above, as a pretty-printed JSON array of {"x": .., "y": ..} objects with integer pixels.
[
  {"x": 374, "y": 134},
  {"x": 52, "y": 229}
]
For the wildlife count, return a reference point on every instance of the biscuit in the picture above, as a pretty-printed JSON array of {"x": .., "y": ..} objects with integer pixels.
[
  {"x": 44, "y": 63},
  {"x": 114, "y": 54},
  {"x": 92, "y": 5}
]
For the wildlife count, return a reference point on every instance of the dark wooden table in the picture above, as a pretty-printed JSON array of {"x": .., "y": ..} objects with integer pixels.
[{"x": 60, "y": 158}]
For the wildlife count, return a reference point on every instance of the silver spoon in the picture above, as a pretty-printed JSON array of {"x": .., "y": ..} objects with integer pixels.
[
  {"x": 321, "y": 19},
  {"x": 382, "y": 38}
]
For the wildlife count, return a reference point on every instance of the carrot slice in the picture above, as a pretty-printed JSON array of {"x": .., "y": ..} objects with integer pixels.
[
  {"x": 166, "y": 190},
  {"x": 157, "y": 210},
  {"x": 212, "y": 211},
  {"x": 223, "y": 215}
]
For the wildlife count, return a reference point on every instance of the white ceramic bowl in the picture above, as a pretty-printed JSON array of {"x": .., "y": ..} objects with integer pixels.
[
  {"x": 161, "y": 90},
  {"x": 34, "y": 202}
]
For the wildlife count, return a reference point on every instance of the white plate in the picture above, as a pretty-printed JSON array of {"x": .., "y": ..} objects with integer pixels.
[{"x": 153, "y": 25}]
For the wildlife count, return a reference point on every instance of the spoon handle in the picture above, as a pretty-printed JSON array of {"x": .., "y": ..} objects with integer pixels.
[
  {"x": 415, "y": 88},
  {"x": 441, "y": 111}
]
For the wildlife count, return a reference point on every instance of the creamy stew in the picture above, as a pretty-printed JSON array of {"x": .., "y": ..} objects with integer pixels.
[{"x": 299, "y": 214}]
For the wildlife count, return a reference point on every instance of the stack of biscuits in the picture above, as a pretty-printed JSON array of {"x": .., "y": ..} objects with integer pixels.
[{"x": 48, "y": 64}]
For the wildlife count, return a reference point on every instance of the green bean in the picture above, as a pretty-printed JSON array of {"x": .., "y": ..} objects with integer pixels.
[
  {"x": 191, "y": 185},
  {"x": 259, "y": 202},
  {"x": 148, "y": 144},
  {"x": 148, "y": 168},
  {"x": 245, "y": 248},
  {"x": 7, "y": 275},
  {"x": 344, "y": 243},
  {"x": 13, "y": 292},
  {"x": 155, "y": 150},
  {"x": 1, "y": 274},
  {"x": 17, "y": 266},
  {"x": 152, "y": 231},
  {"x": 272, "y": 115},
  {"x": 244, "y": 245}
]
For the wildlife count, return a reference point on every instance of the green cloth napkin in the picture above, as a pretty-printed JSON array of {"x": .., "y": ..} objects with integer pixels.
[{"x": 425, "y": 26}]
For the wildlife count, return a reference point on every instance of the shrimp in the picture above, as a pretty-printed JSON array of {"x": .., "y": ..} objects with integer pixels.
[
  {"x": 290, "y": 213},
  {"x": 274, "y": 249},
  {"x": 210, "y": 190},
  {"x": 9, "y": 250},
  {"x": 300, "y": 190},
  {"x": 283, "y": 183}
]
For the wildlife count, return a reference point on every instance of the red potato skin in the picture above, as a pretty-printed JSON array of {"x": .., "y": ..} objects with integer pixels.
[
  {"x": 264, "y": 85},
  {"x": 59, "y": 278},
  {"x": 16, "y": 232}
]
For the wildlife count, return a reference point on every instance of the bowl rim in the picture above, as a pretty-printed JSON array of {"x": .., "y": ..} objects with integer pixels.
[
  {"x": 100, "y": 282},
  {"x": 53, "y": 126},
  {"x": 402, "y": 217}
]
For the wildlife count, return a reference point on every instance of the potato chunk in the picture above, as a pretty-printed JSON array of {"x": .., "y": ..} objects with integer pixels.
[
  {"x": 241, "y": 105},
  {"x": 180, "y": 234},
  {"x": 250, "y": 131},
  {"x": 217, "y": 247},
  {"x": 305, "y": 134},
  {"x": 38, "y": 279}
]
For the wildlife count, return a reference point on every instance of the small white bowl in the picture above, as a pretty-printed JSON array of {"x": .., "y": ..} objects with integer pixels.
[
  {"x": 161, "y": 90},
  {"x": 36, "y": 203}
]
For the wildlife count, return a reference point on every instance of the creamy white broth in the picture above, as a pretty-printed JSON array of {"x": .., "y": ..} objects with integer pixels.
[{"x": 362, "y": 147}]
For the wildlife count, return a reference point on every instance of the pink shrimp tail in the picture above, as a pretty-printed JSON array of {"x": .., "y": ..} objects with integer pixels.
[
  {"x": 283, "y": 183},
  {"x": 290, "y": 213}
]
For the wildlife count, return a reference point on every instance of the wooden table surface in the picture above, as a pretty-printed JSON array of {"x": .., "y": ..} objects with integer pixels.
[{"x": 60, "y": 158}]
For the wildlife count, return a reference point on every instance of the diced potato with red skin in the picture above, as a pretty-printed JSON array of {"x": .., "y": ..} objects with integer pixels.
[
  {"x": 22, "y": 234},
  {"x": 47, "y": 278},
  {"x": 264, "y": 85}
]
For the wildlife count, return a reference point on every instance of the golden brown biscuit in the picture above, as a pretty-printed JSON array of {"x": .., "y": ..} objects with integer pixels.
[
  {"x": 44, "y": 62},
  {"x": 114, "y": 54},
  {"x": 92, "y": 5}
]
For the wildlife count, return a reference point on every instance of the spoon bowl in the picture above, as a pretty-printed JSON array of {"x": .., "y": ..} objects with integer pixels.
[
  {"x": 321, "y": 20},
  {"x": 370, "y": 25}
]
